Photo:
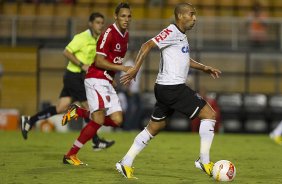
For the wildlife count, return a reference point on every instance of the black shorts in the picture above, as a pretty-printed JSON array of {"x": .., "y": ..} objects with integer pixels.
[
  {"x": 179, "y": 98},
  {"x": 74, "y": 86}
]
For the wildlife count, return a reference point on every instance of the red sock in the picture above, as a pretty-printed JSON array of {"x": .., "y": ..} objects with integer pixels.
[
  {"x": 82, "y": 112},
  {"x": 74, "y": 149},
  {"x": 110, "y": 122},
  {"x": 85, "y": 135}
]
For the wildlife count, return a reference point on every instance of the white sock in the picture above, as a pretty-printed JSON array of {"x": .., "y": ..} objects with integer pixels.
[
  {"x": 278, "y": 130},
  {"x": 206, "y": 132},
  {"x": 140, "y": 142},
  {"x": 78, "y": 144}
]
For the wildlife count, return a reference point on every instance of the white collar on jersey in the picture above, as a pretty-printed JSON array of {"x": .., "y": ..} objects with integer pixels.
[{"x": 115, "y": 26}]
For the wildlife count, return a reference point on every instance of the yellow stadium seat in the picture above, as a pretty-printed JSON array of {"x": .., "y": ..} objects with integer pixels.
[
  {"x": 207, "y": 2},
  {"x": 168, "y": 12},
  {"x": 226, "y": 7},
  {"x": 103, "y": 9},
  {"x": 138, "y": 12},
  {"x": 137, "y": 2},
  {"x": 81, "y": 11},
  {"x": 84, "y": 1},
  {"x": 277, "y": 3},
  {"x": 102, "y": 1},
  {"x": 27, "y": 9},
  {"x": 209, "y": 12},
  {"x": 10, "y": 9},
  {"x": 46, "y": 9},
  {"x": 6, "y": 28},
  {"x": 172, "y": 2},
  {"x": 277, "y": 13},
  {"x": 153, "y": 12},
  {"x": 44, "y": 20},
  {"x": 60, "y": 23},
  {"x": 63, "y": 10},
  {"x": 228, "y": 3},
  {"x": 26, "y": 21},
  {"x": 244, "y": 7}
]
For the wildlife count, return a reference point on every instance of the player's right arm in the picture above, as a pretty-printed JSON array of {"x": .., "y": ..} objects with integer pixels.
[
  {"x": 101, "y": 62},
  {"x": 143, "y": 52},
  {"x": 71, "y": 57}
]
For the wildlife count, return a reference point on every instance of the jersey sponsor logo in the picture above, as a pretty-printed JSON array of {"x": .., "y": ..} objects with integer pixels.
[
  {"x": 163, "y": 35},
  {"x": 105, "y": 37},
  {"x": 117, "y": 49},
  {"x": 108, "y": 75},
  {"x": 185, "y": 49},
  {"x": 118, "y": 60}
]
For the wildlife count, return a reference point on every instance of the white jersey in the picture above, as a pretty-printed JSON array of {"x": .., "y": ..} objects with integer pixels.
[{"x": 175, "y": 57}]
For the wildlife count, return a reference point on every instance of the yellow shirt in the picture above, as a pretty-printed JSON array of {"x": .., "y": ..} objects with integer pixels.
[{"x": 83, "y": 46}]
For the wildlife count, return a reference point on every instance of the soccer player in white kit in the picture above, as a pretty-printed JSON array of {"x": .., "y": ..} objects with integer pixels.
[{"x": 170, "y": 90}]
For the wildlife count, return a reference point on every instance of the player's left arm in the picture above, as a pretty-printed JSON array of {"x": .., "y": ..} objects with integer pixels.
[{"x": 214, "y": 72}]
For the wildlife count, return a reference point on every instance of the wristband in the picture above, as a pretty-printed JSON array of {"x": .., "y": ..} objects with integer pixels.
[{"x": 80, "y": 64}]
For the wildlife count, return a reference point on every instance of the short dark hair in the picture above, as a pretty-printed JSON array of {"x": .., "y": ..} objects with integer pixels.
[
  {"x": 121, "y": 5},
  {"x": 179, "y": 9},
  {"x": 95, "y": 15}
]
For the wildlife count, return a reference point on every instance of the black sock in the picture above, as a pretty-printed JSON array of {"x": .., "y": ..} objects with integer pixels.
[
  {"x": 86, "y": 120},
  {"x": 95, "y": 139},
  {"x": 50, "y": 111}
]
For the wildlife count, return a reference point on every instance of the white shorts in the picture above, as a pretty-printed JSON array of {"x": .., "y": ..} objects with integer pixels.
[{"x": 101, "y": 95}]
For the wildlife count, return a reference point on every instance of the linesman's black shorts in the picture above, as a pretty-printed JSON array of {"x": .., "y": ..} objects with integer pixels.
[
  {"x": 179, "y": 98},
  {"x": 74, "y": 86}
]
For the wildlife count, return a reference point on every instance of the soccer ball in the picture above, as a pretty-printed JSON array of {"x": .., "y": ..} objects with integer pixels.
[{"x": 224, "y": 170}]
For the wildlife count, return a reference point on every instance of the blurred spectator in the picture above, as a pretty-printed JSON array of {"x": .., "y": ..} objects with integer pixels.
[
  {"x": 257, "y": 26},
  {"x": 195, "y": 123},
  {"x": 133, "y": 115}
]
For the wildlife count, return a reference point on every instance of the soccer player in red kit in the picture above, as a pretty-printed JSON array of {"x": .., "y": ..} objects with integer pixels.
[{"x": 104, "y": 105}]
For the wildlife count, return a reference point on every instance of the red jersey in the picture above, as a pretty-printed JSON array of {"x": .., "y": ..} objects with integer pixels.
[{"x": 113, "y": 45}]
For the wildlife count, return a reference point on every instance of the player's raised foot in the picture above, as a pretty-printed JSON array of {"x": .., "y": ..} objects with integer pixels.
[
  {"x": 276, "y": 139},
  {"x": 101, "y": 144},
  {"x": 126, "y": 171},
  {"x": 25, "y": 126},
  {"x": 72, "y": 160},
  {"x": 70, "y": 114},
  {"x": 207, "y": 168}
]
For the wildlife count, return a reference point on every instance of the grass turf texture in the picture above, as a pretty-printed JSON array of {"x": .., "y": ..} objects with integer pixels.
[{"x": 169, "y": 158}]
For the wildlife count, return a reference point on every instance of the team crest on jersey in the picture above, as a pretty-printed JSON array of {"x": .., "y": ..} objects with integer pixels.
[
  {"x": 117, "y": 49},
  {"x": 163, "y": 35}
]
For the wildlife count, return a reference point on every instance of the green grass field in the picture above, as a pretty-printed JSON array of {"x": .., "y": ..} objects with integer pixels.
[{"x": 169, "y": 158}]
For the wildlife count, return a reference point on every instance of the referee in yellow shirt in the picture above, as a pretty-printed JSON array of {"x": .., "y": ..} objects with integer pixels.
[{"x": 80, "y": 52}]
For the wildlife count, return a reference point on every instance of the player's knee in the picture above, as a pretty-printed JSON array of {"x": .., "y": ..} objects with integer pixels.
[
  {"x": 207, "y": 113},
  {"x": 98, "y": 117},
  {"x": 118, "y": 120},
  {"x": 155, "y": 127},
  {"x": 61, "y": 108},
  {"x": 212, "y": 115}
]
